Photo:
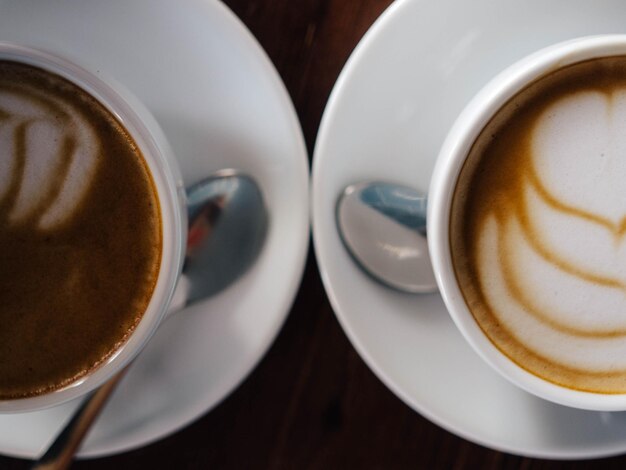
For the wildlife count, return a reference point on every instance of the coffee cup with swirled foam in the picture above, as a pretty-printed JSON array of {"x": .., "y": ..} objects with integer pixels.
[
  {"x": 527, "y": 223},
  {"x": 91, "y": 228}
]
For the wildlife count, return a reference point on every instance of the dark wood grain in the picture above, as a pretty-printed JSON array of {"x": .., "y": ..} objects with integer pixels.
[{"x": 312, "y": 403}]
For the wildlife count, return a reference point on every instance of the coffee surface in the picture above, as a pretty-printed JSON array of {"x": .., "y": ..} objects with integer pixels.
[
  {"x": 538, "y": 227},
  {"x": 80, "y": 232}
]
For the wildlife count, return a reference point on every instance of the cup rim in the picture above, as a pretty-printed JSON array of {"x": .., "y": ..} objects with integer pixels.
[
  {"x": 148, "y": 136},
  {"x": 452, "y": 155}
]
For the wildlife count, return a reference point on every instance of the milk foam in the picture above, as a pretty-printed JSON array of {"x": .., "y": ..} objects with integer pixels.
[
  {"x": 593, "y": 353},
  {"x": 48, "y": 152},
  {"x": 579, "y": 244},
  {"x": 554, "y": 272},
  {"x": 579, "y": 152}
]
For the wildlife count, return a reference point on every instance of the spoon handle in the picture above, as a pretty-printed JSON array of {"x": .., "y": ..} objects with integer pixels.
[{"x": 62, "y": 450}]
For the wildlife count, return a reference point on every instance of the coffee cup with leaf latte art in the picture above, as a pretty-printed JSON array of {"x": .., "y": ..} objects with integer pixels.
[
  {"x": 91, "y": 228},
  {"x": 536, "y": 260}
]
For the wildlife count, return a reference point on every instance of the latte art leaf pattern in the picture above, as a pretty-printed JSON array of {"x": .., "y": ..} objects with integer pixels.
[
  {"x": 538, "y": 229},
  {"x": 557, "y": 281},
  {"x": 536, "y": 329},
  {"x": 48, "y": 156}
]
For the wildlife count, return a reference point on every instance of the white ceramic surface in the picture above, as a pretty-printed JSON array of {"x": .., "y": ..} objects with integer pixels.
[
  {"x": 221, "y": 104},
  {"x": 393, "y": 104}
]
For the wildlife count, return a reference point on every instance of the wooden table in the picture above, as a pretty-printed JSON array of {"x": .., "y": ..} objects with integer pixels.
[{"x": 312, "y": 402}]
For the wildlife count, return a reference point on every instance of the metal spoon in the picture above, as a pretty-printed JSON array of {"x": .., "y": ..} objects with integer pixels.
[
  {"x": 383, "y": 226},
  {"x": 227, "y": 227}
]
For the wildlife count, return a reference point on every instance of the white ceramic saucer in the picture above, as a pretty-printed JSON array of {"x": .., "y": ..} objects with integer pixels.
[
  {"x": 221, "y": 104},
  {"x": 386, "y": 118}
]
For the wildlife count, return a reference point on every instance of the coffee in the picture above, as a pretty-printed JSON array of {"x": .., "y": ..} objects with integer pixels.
[
  {"x": 538, "y": 224},
  {"x": 80, "y": 232}
]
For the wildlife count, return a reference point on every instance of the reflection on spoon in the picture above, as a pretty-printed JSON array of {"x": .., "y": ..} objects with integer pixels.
[
  {"x": 227, "y": 227},
  {"x": 383, "y": 227}
]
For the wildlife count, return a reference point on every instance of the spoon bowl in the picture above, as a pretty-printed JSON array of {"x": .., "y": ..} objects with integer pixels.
[
  {"x": 228, "y": 223},
  {"x": 383, "y": 227}
]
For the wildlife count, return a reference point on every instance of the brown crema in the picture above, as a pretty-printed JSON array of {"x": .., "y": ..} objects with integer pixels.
[
  {"x": 493, "y": 185},
  {"x": 71, "y": 294}
]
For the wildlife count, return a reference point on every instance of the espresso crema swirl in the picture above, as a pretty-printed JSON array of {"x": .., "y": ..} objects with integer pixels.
[
  {"x": 49, "y": 156},
  {"x": 539, "y": 227}
]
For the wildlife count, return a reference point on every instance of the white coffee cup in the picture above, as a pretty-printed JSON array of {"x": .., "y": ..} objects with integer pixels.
[
  {"x": 150, "y": 139},
  {"x": 448, "y": 166}
]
